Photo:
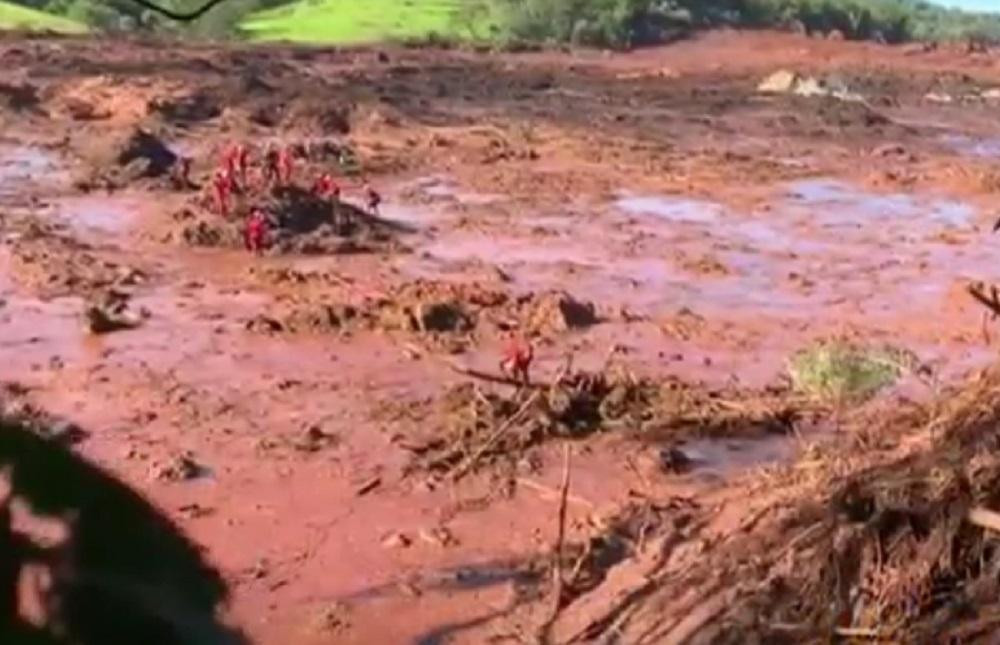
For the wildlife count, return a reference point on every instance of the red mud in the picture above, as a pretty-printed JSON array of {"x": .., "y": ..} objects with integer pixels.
[{"x": 716, "y": 231}]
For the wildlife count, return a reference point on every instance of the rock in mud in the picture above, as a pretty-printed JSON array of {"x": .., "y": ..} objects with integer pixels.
[
  {"x": 314, "y": 439},
  {"x": 109, "y": 312},
  {"x": 181, "y": 467},
  {"x": 193, "y": 108},
  {"x": 780, "y": 82},
  {"x": 396, "y": 540},
  {"x": 673, "y": 460},
  {"x": 558, "y": 312},
  {"x": 441, "y": 317},
  {"x": 144, "y": 149}
]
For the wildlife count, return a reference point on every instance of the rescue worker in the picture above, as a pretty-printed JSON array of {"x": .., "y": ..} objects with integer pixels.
[
  {"x": 516, "y": 359},
  {"x": 372, "y": 199},
  {"x": 257, "y": 228},
  {"x": 272, "y": 174},
  {"x": 236, "y": 161},
  {"x": 286, "y": 163},
  {"x": 222, "y": 185},
  {"x": 326, "y": 187}
]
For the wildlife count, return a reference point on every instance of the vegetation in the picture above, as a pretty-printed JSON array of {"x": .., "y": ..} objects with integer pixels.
[
  {"x": 604, "y": 23},
  {"x": 13, "y": 16},
  {"x": 842, "y": 372},
  {"x": 352, "y": 21}
]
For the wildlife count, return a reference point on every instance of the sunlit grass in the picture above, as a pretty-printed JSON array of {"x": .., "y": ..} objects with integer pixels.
[
  {"x": 14, "y": 16},
  {"x": 349, "y": 21},
  {"x": 843, "y": 372}
]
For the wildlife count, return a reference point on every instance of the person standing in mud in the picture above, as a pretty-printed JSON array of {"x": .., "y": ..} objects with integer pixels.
[
  {"x": 286, "y": 164},
  {"x": 271, "y": 174},
  {"x": 257, "y": 229},
  {"x": 516, "y": 360},
  {"x": 236, "y": 160},
  {"x": 222, "y": 186},
  {"x": 372, "y": 199},
  {"x": 326, "y": 188}
]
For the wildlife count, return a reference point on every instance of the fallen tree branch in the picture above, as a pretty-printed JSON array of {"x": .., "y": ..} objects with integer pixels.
[
  {"x": 461, "y": 469},
  {"x": 989, "y": 300},
  {"x": 548, "y": 491},
  {"x": 984, "y": 518},
  {"x": 545, "y": 629}
]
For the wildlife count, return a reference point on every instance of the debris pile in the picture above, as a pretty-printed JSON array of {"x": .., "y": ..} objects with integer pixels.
[
  {"x": 110, "y": 312},
  {"x": 52, "y": 264},
  {"x": 140, "y": 154},
  {"x": 482, "y": 427},
  {"x": 428, "y": 307},
  {"x": 891, "y": 537}
]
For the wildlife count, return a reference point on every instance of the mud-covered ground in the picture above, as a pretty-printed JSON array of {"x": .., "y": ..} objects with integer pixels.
[{"x": 327, "y": 420}]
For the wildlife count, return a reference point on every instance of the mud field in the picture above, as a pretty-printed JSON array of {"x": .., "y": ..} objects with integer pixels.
[{"x": 327, "y": 421}]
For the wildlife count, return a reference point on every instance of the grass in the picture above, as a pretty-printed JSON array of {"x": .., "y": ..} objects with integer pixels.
[
  {"x": 14, "y": 16},
  {"x": 843, "y": 372},
  {"x": 352, "y": 21}
]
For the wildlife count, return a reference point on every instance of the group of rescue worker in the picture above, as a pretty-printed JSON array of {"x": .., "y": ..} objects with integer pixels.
[{"x": 233, "y": 176}]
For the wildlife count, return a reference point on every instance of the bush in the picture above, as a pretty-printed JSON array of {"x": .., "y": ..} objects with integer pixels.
[{"x": 628, "y": 23}]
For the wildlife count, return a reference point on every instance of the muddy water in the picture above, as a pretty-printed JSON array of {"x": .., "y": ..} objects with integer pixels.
[
  {"x": 237, "y": 401},
  {"x": 821, "y": 256},
  {"x": 984, "y": 147}
]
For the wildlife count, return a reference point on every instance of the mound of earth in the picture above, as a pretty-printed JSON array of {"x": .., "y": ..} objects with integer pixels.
[
  {"x": 428, "y": 307},
  {"x": 300, "y": 223},
  {"x": 122, "y": 160},
  {"x": 466, "y": 420},
  {"x": 887, "y": 532},
  {"x": 188, "y": 109},
  {"x": 52, "y": 264}
]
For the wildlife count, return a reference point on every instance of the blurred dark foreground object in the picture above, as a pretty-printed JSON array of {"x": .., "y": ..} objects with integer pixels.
[{"x": 107, "y": 567}]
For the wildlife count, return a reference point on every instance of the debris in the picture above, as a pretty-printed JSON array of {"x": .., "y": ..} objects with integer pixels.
[
  {"x": 938, "y": 97},
  {"x": 368, "y": 486},
  {"x": 108, "y": 312},
  {"x": 674, "y": 460},
  {"x": 181, "y": 467},
  {"x": 396, "y": 540},
  {"x": 333, "y": 618},
  {"x": 313, "y": 439},
  {"x": 558, "y": 579},
  {"x": 484, "y": 426},
  {"x": 438, "y": 536},
  {"x": 780, "y": 82},
  {"x": 787, "y": 82}
]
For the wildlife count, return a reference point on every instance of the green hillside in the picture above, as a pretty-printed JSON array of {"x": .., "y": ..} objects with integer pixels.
[
  {"x": 14, "y": 16},
  {"x": 350, "y": 21}
]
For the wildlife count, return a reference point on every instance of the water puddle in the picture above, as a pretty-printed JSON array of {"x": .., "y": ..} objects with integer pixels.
[
  {"x": 727, "y": 457},
  {"x": 440, "y": 187},
  {"x": 983, "y": 147},
  {"x": 839, "y": 205},
  {"x": 671, "y": 209},
  {"x": 98, "y": 214},
  {"x": 23, "y": 163},
  {"x": 22, "y": 167}
]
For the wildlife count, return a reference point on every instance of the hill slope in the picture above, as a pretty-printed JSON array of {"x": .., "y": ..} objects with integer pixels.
[
  {"x": 14, "y": 16},
  {"x": 348, "y": 21}
]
